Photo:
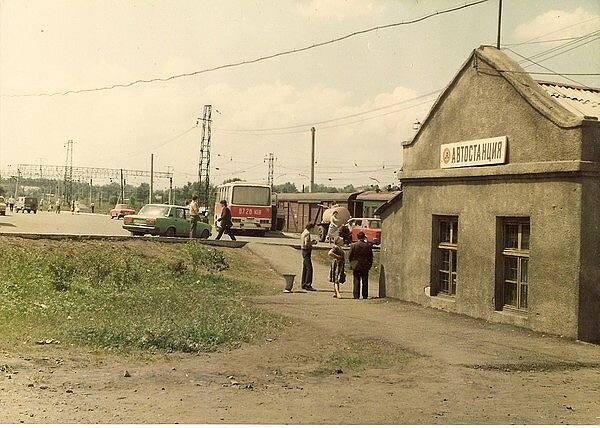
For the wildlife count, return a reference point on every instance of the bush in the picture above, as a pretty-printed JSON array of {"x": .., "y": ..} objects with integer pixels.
[
  {"x": 62, "y": 269},
  {"x": 208, "y": 258}
]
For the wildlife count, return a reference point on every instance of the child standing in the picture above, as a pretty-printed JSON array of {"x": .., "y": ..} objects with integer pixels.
[{"x": 337, "y": 275}]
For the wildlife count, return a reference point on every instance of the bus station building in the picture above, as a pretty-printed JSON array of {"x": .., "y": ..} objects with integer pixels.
[{"x": 499, "y": 215}]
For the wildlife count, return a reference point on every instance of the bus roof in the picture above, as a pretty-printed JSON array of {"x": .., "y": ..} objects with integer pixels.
[{"x": 243, "y": 183}]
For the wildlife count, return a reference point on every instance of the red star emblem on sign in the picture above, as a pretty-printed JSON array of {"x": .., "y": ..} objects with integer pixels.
[{"x": 446, "y": 155}]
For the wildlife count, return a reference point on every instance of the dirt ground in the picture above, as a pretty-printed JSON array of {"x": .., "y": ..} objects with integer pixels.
[{"x": 339, "y": 362}]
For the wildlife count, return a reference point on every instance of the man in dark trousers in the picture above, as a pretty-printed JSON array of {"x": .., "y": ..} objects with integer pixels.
[
  {"x": 361, "y": 260},
  {"x": 225, "y": 220},
  {"x": 306, "y": 245}
]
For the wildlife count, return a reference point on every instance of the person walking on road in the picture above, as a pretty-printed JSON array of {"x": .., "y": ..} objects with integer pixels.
[
  {"x": 306, "y": 244},
  {"x": 11, "y": 204},
  {"x": 194, "y": 215},
  {"x": 225, "y": 221},
  {"x": 361, "y": 260},
  {"x": 337, "y": 275}
]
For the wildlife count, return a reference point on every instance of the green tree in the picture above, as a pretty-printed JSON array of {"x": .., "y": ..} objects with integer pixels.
[
  {"x": 231, "y": 180},
  {"x": 285, "y": 188}
]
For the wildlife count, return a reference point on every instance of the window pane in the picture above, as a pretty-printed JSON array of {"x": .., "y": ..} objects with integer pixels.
[
  {"x": 454, "y": 232},
  {"x": 511, "y": 236},
  {"x": 374, "y": 224},
  {"x": 250, "y": 195},
  {"x": 510, "y": 294},
  {"x": 510, "y": 269},
  {"x": 445, "y": 260},
  {"x": 453, "y": 285},
  {"x": 525, "y": 237},
  {"x": 523, "y": 296},
  {"x": 453, "y": 253},
  {"x": 444, "y": 231},
  {"x": 524, "y": 271},
  {"x": 444, "y": 282}
]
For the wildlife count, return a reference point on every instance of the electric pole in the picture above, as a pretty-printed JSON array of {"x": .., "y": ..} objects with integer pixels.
[
  {"x": 312, "y": 161},
  {"x": 204, "y": 162},
  {"x": 151, "y": 177},
  {"x": 122, "y": 185},
  {"x": 271, "y": 160},
  {"x": 499, "y": 23}
]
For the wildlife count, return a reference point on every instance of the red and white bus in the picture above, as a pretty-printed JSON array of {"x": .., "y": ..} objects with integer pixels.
[{"x": 250, "y": 205}]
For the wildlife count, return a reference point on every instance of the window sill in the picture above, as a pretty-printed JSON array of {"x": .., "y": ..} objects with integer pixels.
[
  {"x": 444, "y": 297},
  {"x": 517, "y": 313}
]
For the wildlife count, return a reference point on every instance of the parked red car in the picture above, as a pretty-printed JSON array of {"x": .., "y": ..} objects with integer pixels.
[
  {"x": 120, "y": 211},
  {"x": 370, "y": 226}
]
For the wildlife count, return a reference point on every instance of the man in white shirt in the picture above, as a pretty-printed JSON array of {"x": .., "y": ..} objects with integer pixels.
[
  {"x": 194, "y": 215},
  {"x": 306, "y": 245}
]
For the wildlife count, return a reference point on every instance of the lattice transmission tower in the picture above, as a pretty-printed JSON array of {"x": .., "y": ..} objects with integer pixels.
[
  {"x": 271, "y": 159},
  {"x": 204, "y": 162},
  {"x": 68, "y": 184}
]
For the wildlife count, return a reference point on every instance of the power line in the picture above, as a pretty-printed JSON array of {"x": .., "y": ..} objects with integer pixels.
[
  {"x": 555, "y": 31},
  {"x": 577, "y": 42},
  {"x": 255, "y": 60},
  {"x": 540, "y": 41},
  {"x": 300, "y": 131},
  {"x": 304, "y": 125},
  {"x": 548, "y": 69}
]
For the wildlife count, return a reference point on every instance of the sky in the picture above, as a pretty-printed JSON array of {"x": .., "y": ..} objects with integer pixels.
[{"x": 380, "y": 81}]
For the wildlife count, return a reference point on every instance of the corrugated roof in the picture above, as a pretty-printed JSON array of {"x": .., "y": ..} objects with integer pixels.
[
  {"x": 372, "y": 195},
  {"x": 313, "y": 197},
  {"x": 578, "y": 100}
]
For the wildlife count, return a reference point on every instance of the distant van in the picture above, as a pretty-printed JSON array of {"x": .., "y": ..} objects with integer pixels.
[{"x": 26, "y": 203}]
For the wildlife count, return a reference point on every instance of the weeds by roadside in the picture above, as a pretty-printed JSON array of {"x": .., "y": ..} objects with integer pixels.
[{"x": 118, "y": 298}]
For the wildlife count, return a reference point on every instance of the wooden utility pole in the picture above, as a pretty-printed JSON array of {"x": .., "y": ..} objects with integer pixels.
[
  {"x": 312, "y": 161},
  {"x": 151, "y": 177},
  {"x": 499, "y": 23}
]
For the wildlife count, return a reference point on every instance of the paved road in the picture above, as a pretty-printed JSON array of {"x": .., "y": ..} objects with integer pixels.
[{"x": 97, "y": 224}]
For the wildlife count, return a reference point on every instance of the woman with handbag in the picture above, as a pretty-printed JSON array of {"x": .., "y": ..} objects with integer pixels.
[{"x": 337, "y": 275}]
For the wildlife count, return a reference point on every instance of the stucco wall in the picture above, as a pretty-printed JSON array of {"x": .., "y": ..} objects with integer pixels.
[
  {"x": 589, "y": 316},
  {"x": 552, "y": 207},
  {"x": 542, "y": 179},
  {"x": 481, "y": 106}
]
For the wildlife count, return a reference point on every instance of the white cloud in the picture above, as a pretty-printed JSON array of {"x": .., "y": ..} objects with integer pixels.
[
  {"x": 556, "y": 24},
  {"x": 338, "y": 9}
]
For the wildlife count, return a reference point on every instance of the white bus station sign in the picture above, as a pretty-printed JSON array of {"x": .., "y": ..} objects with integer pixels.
[{"x": 487, "y": 151}]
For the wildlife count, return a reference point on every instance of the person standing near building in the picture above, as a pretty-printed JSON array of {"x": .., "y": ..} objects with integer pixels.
[
  {"x": 306, "y": 245},
  {"x": 225, "y": 221},
  {"x": 361, "y": 260},
  {"x": 337, "y": 275},
  {"x": 194, "y": 215},
  {"x": 11, "y": 204}
]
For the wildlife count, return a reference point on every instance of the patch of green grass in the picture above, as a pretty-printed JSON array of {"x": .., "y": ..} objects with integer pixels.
[
  {"x": 116, "y": 297},
  {"x": 355, "y": 355}
]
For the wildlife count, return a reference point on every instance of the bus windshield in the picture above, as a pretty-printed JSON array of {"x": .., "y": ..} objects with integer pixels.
[{"x": 251, "y": 195}]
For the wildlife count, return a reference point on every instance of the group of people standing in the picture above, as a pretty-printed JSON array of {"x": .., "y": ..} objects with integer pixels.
[{"x": 360, "y": 258}]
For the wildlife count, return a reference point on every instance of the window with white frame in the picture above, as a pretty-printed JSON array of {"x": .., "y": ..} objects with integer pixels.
[
  {"x": 446, "y": 255},
  {"x": 515, "y": 262}
]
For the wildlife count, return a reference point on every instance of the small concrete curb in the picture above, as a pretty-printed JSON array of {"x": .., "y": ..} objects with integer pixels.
[{"x": 75, "y": 237}]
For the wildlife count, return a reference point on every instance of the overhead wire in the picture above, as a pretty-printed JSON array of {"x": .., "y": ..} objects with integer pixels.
[
  {"x": 255, "y": 60},
  {"x": 548, "y": 69}
]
